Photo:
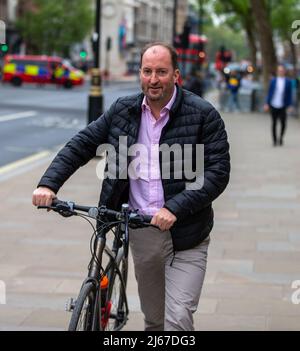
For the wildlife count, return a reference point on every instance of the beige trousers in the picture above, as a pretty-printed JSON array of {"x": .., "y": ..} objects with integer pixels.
[{"x": 169, "y": 287}]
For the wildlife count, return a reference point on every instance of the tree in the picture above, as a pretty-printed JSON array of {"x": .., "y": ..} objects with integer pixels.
[
  {"x": 265, "y": 35},
  {"x": 224, "y": 36},
  {"x": 284, "y": 13},
  {"x": 52, "y": 27},
  {"x": 240, "y": 17}
]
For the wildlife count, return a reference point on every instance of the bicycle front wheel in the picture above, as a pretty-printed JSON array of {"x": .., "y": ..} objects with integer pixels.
[
  {"x": 82, "y": 316},
  {"x": 117, "y": 299}
]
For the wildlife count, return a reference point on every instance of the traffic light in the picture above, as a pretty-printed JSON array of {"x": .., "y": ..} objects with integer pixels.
[
  {"x": 83, "y": 54},
  {"x": 4, "y": 48}
]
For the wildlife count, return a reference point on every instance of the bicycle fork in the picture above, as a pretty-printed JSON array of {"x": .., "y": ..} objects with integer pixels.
[{"x": 94, "y": 276}]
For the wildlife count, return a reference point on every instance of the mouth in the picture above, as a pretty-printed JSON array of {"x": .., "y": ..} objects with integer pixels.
[{"x": 155, "y": 89}]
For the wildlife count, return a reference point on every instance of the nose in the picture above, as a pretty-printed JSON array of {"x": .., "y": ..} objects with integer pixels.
[{"x": 154, "y": 78}]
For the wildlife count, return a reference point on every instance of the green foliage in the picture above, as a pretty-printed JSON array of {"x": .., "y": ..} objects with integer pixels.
[
  {"x": 237, "y": 16},
  {"x": 223, "y": 35},
  {"x": 235, "y": 11},
  {"x": 53, "y": 26},
  {"x": 284, "y": 13},
  {"x": 238, "y": 12}
]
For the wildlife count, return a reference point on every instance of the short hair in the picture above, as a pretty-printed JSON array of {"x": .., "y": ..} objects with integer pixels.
[
  {"x": 281, "y": 65},
  {"x": 170, "y": 48}
]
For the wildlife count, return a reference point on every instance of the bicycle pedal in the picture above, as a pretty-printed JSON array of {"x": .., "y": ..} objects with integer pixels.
[{"x": 70, "y": 305}]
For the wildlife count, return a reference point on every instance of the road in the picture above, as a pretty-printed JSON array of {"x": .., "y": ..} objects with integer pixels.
[{"x": 34, "y": 119}]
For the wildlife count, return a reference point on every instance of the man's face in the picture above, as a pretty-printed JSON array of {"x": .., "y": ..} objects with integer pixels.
[
  {"x": 280, "y": 71},
  {"x": 157, "y": 75}
]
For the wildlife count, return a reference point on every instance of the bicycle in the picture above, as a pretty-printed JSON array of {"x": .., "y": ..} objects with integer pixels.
[{"x": 102, "y": 301}]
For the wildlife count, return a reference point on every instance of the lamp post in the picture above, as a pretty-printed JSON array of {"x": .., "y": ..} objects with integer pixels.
[{"x": 95, "y": 108}]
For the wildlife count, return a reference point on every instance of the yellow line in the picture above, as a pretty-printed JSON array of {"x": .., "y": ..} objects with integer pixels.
[{"x": 23, "y": 162}]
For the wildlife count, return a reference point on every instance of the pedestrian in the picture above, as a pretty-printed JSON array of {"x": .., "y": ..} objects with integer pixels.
[
  {"x": 246, "y": 82},
  {"x": 279, "y": 99},
  {"x": 169, "y": 261},
  {"x": 233, "y": 85}
]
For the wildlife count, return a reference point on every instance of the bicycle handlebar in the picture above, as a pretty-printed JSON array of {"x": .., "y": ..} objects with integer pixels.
[{"x": 68, "y": 209}]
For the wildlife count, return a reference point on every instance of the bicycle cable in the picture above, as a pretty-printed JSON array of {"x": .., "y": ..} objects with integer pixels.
[{"x": 104, "y": 227}]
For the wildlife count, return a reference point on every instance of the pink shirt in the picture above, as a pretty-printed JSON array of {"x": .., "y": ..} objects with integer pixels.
[{"x": 145, "y": 186}]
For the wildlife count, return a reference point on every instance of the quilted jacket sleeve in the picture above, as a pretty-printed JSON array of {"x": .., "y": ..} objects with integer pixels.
[
  {"x": 216, "y": 170},
  {"x": 77, "y": 152}
]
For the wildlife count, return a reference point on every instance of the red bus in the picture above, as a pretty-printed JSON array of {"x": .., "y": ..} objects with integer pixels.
[{"x": 194, "y": 56}]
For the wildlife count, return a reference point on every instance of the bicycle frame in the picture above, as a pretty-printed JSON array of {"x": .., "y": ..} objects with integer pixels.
[{"x": 95, "y": 267}]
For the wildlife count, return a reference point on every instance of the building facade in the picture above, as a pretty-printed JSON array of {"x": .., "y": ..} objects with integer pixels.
[
  {"x": 3, "y": 10},
  {"x": 182, "y": 14},
  {"x": 130, "y": 24},
  {"x": 133, "y": 23},
  {"x": 8, "y": 14}
]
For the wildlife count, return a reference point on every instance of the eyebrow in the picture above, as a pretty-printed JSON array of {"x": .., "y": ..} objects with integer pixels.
[{"x": 159, "y": 68}]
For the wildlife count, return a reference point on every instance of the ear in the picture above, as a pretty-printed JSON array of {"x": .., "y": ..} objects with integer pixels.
[{"x": 176, "y": 75}]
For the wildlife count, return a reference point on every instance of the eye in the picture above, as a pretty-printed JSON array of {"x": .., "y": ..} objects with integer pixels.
[
  {"x": 162, "y": 72},
  {"x": 147, "y": 72}
]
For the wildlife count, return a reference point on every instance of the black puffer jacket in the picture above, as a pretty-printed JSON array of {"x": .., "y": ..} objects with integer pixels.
[{"x": 192, "y": 121}]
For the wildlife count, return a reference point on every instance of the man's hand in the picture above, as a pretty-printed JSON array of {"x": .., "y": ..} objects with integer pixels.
[
  {"x": 163, "y": 219},
  {"x": 266, "y": 108},
  {"x": 43, "y": 197}
]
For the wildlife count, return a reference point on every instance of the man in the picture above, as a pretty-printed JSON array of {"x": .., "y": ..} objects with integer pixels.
[
  {"x": 279, "y": 99},
  {"x": 170, "y": 262}
]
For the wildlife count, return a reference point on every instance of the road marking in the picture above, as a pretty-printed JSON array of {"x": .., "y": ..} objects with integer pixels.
[
  {"x": 19, "y": 115},
  {"x": 23, "y": 162}
]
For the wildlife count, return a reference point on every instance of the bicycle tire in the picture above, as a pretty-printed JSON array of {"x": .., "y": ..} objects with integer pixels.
[
  {"x": 117, "y": 294},
  {"x": 88, "y": 291}
]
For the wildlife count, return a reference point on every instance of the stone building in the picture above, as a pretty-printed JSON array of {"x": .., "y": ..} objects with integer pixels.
[{"x": 133, "y": 23}]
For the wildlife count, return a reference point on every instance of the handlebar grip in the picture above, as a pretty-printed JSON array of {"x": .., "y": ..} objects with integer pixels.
[
  {"x": 146, "y": 218},
  {"x": 56, "y": 202}
]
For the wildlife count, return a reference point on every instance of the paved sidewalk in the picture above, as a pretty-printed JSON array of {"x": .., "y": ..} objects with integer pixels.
[{"x": 253, "y": 257}]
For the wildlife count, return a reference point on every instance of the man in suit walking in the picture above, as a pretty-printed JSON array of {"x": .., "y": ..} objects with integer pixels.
[{"x": 279, "y": 99}]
